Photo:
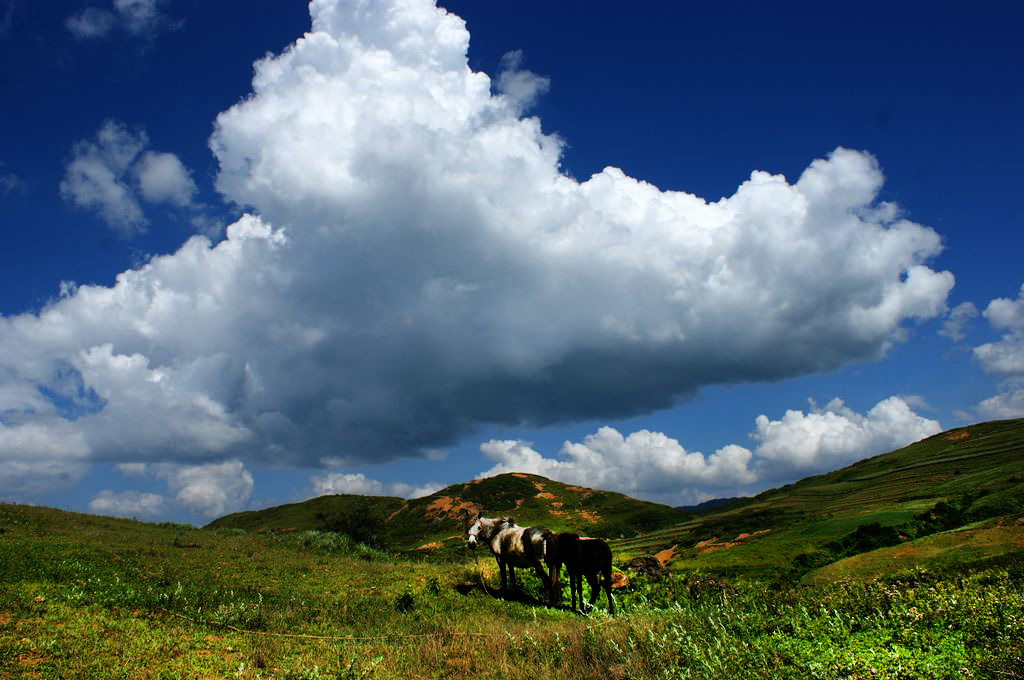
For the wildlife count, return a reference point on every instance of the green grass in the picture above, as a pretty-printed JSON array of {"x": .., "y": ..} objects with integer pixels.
[{"x": 92, "y": 597}]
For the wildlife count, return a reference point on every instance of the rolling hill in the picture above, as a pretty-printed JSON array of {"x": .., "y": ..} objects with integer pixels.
[
  {"x": 435, "y": 524},
  {"x": 941, "y": 483}
]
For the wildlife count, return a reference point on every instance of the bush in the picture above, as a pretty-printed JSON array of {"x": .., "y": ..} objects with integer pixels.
[{"x": 363, "y": 522}]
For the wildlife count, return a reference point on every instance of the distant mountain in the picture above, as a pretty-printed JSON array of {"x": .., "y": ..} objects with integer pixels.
[
  {"x": 701, "y": 508},
  {"x": 436, "y": 523}
]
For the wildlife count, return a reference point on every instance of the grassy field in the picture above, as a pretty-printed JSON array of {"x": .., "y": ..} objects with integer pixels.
[{"x": 91, "y": 597}]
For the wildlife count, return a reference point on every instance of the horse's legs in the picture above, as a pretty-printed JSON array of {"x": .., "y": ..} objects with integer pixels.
[
  {"x": 538, "y": 567},
  {"x": 555, "y": 586},
  {"x": 594, "y": 579},
  {"x": 608, "y": 588},
  {"x": 501, "y": 568},
  {"x": 576, "y": 585}
]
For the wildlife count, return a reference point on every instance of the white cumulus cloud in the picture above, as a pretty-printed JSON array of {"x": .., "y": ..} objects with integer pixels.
[
  {"x": 163, "y": 178},
  {"x": 211, "y": 489},
  {"x": 829, "y": 438},
  {"x": 108, "y": 175},
  {"x": 655, "y": 466},
  {"x": 644, "y": 463},
  {"x": 416, "y": 263},
  {"x": 1004, "y": 357}
]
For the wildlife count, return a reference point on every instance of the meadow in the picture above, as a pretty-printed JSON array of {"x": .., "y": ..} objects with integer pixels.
[{"x": 92, "y": 597}]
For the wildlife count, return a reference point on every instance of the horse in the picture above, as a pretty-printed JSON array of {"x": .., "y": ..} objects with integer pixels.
[
  {"x": 590, "y": 557},
  {"x": 515, "y": 546}
]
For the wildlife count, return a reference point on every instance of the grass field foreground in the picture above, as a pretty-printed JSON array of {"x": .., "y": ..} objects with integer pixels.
[{"x": 91, "y": 597}]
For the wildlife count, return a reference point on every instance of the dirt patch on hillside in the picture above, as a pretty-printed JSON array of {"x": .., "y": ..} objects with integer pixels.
[
  {"x": 427, "y": 547},
  {"x": 957, "y": 436},
  {"x": 539, "y": 486},
  {"x": 556, "y": 504},
  {"x": 714, "y": 545},
  {"x": 520, "y": 475},
  {"x": 665, "y": 556},
  {"x": 546, "y": 494},
  {"x": 447, "y": 507},
  {"x": 396, "y": 512},
  {"x": 590, "y": 517},
  {"x": 583, "y": 493}
]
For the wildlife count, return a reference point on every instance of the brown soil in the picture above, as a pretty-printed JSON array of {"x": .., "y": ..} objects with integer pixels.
[
  {"x": 590, "y": 517},
  {"x": 427, "y": 547},
  {"x": 448, "y": 507},
  {"x": 546, "y": 494},
  {"x": 957, "y": 436},
  {"x": 665, "y": 556}
]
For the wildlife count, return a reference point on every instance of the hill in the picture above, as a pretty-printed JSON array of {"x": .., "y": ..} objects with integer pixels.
[
  {"x": 938, "y": 484},
  {"x": 436, "y": 523}
]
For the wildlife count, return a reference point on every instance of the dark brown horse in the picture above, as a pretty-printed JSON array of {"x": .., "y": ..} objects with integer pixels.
[{"x": 590, "y": 557}]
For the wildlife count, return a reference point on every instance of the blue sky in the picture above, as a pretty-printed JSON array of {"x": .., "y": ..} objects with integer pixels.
[{"x": 676, "y": 251}]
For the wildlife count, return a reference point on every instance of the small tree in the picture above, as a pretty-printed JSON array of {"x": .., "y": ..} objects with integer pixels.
[{"x": 362, "y": 521}]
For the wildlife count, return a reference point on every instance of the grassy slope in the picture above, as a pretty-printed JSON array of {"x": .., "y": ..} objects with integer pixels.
[
  {"x": 984, "y": 463},
  {"x": 93, "y": 597},
  {"x": 438, "y": 520}
]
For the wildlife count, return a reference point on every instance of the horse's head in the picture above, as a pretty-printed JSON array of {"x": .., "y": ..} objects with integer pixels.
[
  {"x": 483, "y": 529},
  {"x": 475, "y": 526}
]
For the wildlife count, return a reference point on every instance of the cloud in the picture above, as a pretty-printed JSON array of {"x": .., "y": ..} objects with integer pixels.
[
  {"x": 164, "y": 179},
  {"x": 212, "y": 489},
  {"x": 110, "y": 174},
  {"x": 94, "y": 177},
  {"x": 1006, "y": 313},
  {"x": 957, "y": 319},
  {"x": 648, "y": 464},
  {"x": 521, "y": 86},
  {"x": 655, "y": 466},
  {"x": 415, "y": 264},
  {"x": 1004, "y": 357},
  {"x": 44, "y": 454},
  {"x": 358, "y": 483},
  {"x": 825, "y": 439},
  {"x": 9, "y": 181},
  {"x": 207, "y": 489},
  {"x": 1007, "y": 404},
  {"x": 135, "y": 17},
  {"x": 127, "y": 504}
]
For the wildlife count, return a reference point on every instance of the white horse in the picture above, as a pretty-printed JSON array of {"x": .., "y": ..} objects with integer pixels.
[{"x": 515, "y": 546}]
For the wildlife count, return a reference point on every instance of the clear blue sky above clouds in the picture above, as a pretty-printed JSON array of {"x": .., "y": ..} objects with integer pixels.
[{"x": 677, "y": 251}]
